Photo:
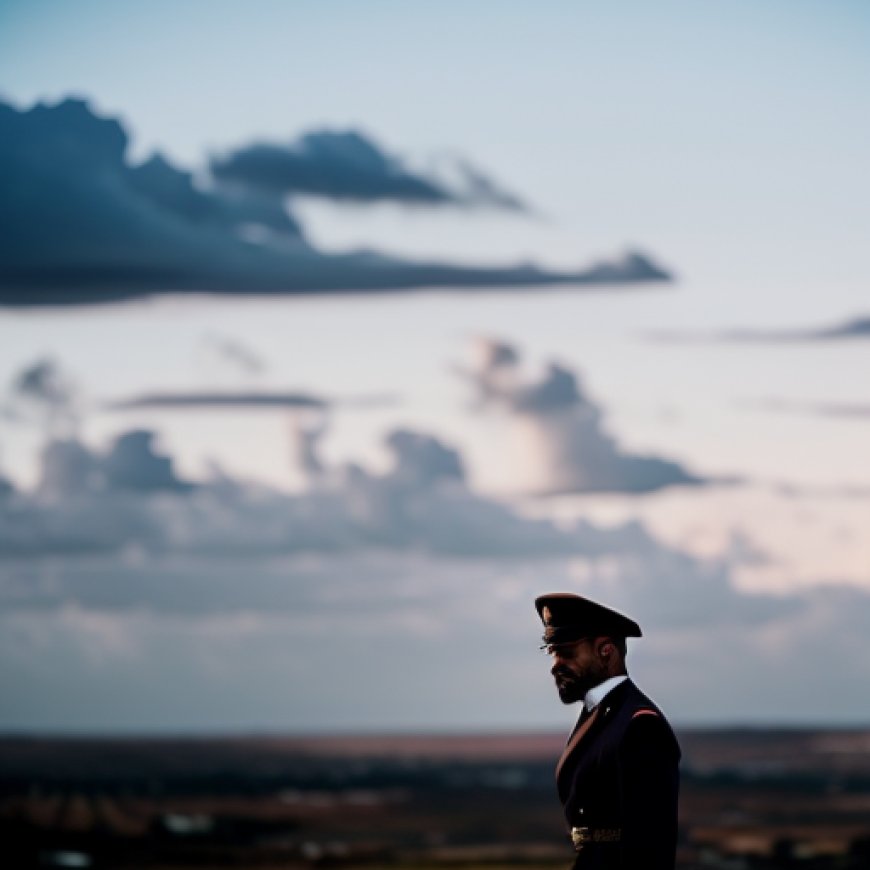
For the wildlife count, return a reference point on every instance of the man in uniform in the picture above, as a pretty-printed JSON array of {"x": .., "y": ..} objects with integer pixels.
[{"x": 618, "y": 776}]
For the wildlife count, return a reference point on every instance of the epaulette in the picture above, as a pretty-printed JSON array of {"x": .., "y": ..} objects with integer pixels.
[{"x": 645, "y": 712}]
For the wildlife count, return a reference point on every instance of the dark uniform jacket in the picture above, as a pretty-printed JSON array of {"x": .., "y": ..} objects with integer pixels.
[{"x": 619, "y": 783}]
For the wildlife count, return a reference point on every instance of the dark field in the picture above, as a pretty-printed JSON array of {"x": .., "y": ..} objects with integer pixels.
[{"x": 750, "y": 799}]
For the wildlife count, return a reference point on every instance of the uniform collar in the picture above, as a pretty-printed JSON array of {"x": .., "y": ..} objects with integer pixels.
[{"x": 597, "y": 694}]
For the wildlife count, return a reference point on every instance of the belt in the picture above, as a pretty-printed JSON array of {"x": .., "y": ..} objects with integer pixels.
[{"x": 581, "y": 837}]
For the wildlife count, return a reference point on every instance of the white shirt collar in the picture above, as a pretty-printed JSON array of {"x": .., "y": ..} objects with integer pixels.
[{"x": 597, "y": 694}]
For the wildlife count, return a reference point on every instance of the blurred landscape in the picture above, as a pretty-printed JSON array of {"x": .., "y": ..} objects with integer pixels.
[{"x": 750, "y": 799}]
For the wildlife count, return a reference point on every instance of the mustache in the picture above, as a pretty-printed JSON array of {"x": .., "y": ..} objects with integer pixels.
[{"x": 563, "y": 672}]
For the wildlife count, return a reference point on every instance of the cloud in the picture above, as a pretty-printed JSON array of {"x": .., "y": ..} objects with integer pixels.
[
  {"x": 421, "y": 459},
  {"x": 793, "y": 490},
  {"x": 130, "y": 464},
  {"x": 128, "y": 499},
  {"x": 857, "y": 328},
  {"x": 482, "y": 190},
  {"x": 672, "y": 591},
  {"x": 235, "y": 354},
  {"x": 67, "y": 468},
  {"x": 350, "y": 166},
  {"x": 375, "y": 600},
  {"x": 43, "y": 382},
  {"x": 306, "y": 430},
  {"x": 248, "y": 399},
  {"x": 235, "y": 209},
  {"x": 394, "y": 640},
  {"x": 563, "y": 441},
  {"x": 212, "y": 400},
  {"x": 133, "y": 464},
  {"x": 42, "y": 391},
  {"x": 80, "y": 225},
  {"x": 854, "y": 410}
]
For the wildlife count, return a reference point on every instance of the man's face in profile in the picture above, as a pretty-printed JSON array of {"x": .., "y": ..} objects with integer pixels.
[{"x": 576, "y": 668}]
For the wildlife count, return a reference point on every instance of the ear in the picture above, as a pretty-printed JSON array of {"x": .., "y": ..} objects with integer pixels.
[{"x": 605, "y": 647}]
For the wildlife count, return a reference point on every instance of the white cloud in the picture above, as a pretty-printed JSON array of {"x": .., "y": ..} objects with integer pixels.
[
  {"x": 563, "y": 444},
  {"x": 397, "y": 640},
  {"x": 421, "y": 504},
  {"x": 391, "y": 600}
]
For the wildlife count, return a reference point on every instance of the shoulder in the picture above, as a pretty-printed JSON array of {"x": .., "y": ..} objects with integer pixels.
[
  {"x": 646, "y": 721},
  {"x": 637, "y": 705},
  {"x": 646, "y": 725}
]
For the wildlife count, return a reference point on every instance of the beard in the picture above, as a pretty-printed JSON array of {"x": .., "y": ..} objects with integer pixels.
[{"x": 571, "y": 686}]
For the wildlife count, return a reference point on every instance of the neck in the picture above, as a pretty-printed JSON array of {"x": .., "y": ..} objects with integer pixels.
[
  {"x": 595, "y": 695},
  {"x": 616, "y": 669}
]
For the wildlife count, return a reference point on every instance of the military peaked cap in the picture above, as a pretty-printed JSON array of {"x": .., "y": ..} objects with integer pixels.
[{"x": 568, "y": 617}]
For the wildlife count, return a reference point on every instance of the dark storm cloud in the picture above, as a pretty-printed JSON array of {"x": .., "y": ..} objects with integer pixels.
[
  {"x": 857, "y": 328},
  {"x": 80, "y": 225},
  {"x": 562, "y": 429},
  {"x": 349, "y": 165}
]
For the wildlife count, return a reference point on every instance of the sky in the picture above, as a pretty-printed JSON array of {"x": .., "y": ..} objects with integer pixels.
[{"x": 332, "y": 334}]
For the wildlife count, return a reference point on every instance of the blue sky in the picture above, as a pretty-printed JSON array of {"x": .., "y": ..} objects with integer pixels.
[{"x": 727, "y": 140}]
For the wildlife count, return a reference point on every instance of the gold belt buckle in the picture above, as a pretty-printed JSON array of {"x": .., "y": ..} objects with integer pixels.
[{"x": 580, "y": 837}]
